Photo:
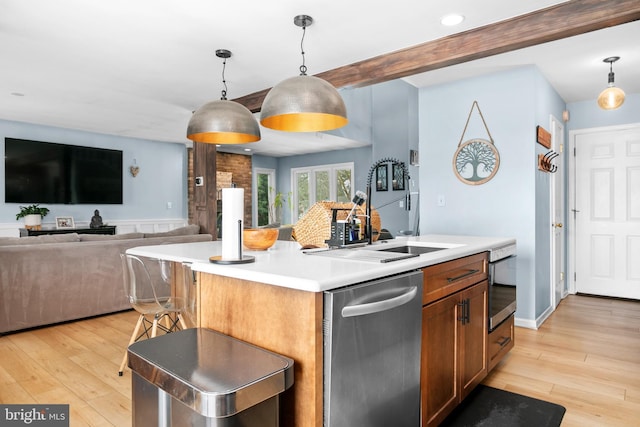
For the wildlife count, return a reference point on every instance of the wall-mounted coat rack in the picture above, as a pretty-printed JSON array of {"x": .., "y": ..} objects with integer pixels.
[{"x": 544, "y": 162}]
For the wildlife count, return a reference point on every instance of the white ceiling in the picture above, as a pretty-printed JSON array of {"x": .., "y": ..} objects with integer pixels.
[{"x": 139, "y": 68}]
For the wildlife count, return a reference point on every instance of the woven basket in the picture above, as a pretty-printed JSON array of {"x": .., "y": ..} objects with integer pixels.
[{"x": 315, "y": 226}]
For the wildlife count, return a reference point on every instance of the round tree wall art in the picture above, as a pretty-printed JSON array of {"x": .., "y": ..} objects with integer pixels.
[{"x": 476, "y": 160}]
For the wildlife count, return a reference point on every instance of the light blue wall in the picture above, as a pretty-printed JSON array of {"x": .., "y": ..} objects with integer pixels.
[
  {"x": 162, "y": 177},
  {"x": 394, "y": 133},
  {"x": 587, "y": 114},
  {"x": 548, "y": 102},
  {"x": 264, "y": 162},
  {"x": 359, "y": 112},
  {"x": 512, "y": 103}
]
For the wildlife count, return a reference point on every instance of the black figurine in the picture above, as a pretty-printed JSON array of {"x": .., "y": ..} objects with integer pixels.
[{"x": 96, "y": 220}]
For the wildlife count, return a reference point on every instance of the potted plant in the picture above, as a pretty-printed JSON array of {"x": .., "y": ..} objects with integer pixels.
[
  {"x": 32, "y": 215},
  {"x": 275, "y": 210}
]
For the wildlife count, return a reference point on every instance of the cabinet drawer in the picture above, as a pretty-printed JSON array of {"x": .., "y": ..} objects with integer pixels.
[
  {"x": 501, "y": 340},
  {"x": 448, "y": 277}
]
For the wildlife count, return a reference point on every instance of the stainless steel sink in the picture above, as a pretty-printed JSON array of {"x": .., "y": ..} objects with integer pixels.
[
  {"x": 412, "y": 249},
  {"x": 377, "y": 254},
  {"x": 354, "y": 254}
]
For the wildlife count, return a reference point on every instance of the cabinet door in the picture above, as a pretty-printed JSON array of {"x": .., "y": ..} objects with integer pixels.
[
  {"x": 473, "y": 338},
  {"x": 439, "y": 385}
]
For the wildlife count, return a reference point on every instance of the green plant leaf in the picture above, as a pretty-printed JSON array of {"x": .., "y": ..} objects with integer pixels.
[{"x": 32, "y": 210}]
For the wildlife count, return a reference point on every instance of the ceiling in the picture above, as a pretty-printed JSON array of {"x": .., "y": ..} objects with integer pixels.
[{"x": 139, "y": 68}]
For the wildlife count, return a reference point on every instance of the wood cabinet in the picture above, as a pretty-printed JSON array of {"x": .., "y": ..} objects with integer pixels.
[
  {"x": 290, "y": 322},
  {"x": 454, "y": 334},
  {"x": 501, "y": 340},
  {"x": 285, "y": 321}
]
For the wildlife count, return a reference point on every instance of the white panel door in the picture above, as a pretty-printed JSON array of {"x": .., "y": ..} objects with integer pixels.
[
  {"x": 557, "y": 215},
  {"x": 608, "y": 213}
]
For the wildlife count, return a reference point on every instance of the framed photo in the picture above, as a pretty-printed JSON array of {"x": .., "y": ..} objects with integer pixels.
[
  {"x": 63, "y": 222},
  {"x": 381, "y": 178},
  {"x": 397, "y": 177}
]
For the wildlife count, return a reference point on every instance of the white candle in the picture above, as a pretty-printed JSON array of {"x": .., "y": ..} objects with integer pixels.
[{"x": 232, "y": 213}]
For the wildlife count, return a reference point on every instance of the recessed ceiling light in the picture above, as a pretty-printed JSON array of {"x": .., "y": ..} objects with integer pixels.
[
  {"x": 451, "y": 19},
  {"x": 247, "y": 149}
]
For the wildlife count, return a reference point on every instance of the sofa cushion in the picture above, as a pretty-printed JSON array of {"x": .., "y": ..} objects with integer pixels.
[
  {"x": 285, "y": 232},
  {"x": 182, "y": 231},
  {"x": 45, "y": 238},
  {"x": 124, "y": 236}
]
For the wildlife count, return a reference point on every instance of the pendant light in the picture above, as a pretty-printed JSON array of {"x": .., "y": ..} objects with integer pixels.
[
  {"x": 303, "y": 103},
  {"x": 223, "y": 121},
  {"x": 612, "y": 97}
]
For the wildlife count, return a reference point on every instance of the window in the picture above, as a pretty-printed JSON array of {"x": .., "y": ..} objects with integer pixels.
[
  {"x": 265, "y": 182},
  {"x": 320, "y": 183}
]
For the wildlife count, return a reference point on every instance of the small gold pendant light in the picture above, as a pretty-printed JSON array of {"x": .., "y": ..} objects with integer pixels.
[
  {"x": 612, "y": 97},
  {"x": 303, "y": 103},
  {"x": 223, "y": 121}
]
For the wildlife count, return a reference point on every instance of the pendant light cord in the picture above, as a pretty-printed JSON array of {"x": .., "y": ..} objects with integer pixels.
[
  {"x": 224, "y": 82},
  {"x": 610, "y": 78},
  {"x": 303, "y": 68}
]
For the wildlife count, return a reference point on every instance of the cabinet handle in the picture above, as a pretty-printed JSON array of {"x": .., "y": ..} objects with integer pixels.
[
  {"x": 463, "y": 275},
  {"x": 468, "y": 310},
  {"x": 462, "y": 316},
  {"x": 378, "y": 306},
  {"x": 504, "y": 341},
  {"x": 464, "y": 311}
]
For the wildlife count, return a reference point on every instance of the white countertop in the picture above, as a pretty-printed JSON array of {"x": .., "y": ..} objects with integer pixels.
[{"x": 285, "y": 264}]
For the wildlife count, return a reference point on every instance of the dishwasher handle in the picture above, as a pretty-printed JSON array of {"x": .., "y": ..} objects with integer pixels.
[{"x": 378, "y": 306}]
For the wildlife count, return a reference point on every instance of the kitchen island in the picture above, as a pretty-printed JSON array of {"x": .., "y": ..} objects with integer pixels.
[{"x": 277, "y": 301}]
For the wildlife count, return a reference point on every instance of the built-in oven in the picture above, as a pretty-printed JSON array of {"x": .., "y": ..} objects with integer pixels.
[{"x": 502, "y": 284}]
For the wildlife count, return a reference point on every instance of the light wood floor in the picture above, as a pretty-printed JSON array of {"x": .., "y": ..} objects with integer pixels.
[
  {"x": 74, "y": 363},
  {"x": 586, "y": 357}
]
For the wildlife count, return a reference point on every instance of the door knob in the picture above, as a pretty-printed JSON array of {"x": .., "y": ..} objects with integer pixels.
[{"x": 559, "y": 225}]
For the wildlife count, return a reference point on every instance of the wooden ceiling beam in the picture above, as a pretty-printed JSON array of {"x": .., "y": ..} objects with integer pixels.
[{"x": 568, "y": 19}]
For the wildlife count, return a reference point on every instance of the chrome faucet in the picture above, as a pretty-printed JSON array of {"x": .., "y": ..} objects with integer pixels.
[{"x": 368, "y": 228}]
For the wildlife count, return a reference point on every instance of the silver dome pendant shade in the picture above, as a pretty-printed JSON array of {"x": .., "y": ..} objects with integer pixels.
[
  {"x": 223, "y": 121},
  {"x": 303, "y": 103}
]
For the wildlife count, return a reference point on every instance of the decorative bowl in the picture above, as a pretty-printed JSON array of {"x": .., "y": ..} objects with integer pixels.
[{"x": 259, "y": 239}]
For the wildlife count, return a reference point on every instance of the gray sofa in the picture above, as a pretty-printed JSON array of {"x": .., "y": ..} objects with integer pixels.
[{"x": 55, "y": 278}]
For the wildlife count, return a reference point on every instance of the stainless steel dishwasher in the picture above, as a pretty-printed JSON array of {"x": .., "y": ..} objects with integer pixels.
[{"x": 372, "y": 334}]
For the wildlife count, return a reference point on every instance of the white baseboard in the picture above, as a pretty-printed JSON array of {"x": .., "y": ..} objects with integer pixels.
[
  {"x": 9, "y": 229},
  {"x": 525, "y": 323},
  {"x": 533, "y": 324},
  {"x": 148, "y": 225},
  {"x": 544, "y": 316}
]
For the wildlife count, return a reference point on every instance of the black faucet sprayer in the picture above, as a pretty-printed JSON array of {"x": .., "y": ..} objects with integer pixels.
[{"x": 368, "y": 228}]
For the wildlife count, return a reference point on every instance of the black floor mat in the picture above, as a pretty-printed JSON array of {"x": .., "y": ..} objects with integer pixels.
[{"x": 491, "y": 407}]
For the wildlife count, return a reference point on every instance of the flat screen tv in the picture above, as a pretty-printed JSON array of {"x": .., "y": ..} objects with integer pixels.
[{"x": 45, "y": 172}]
